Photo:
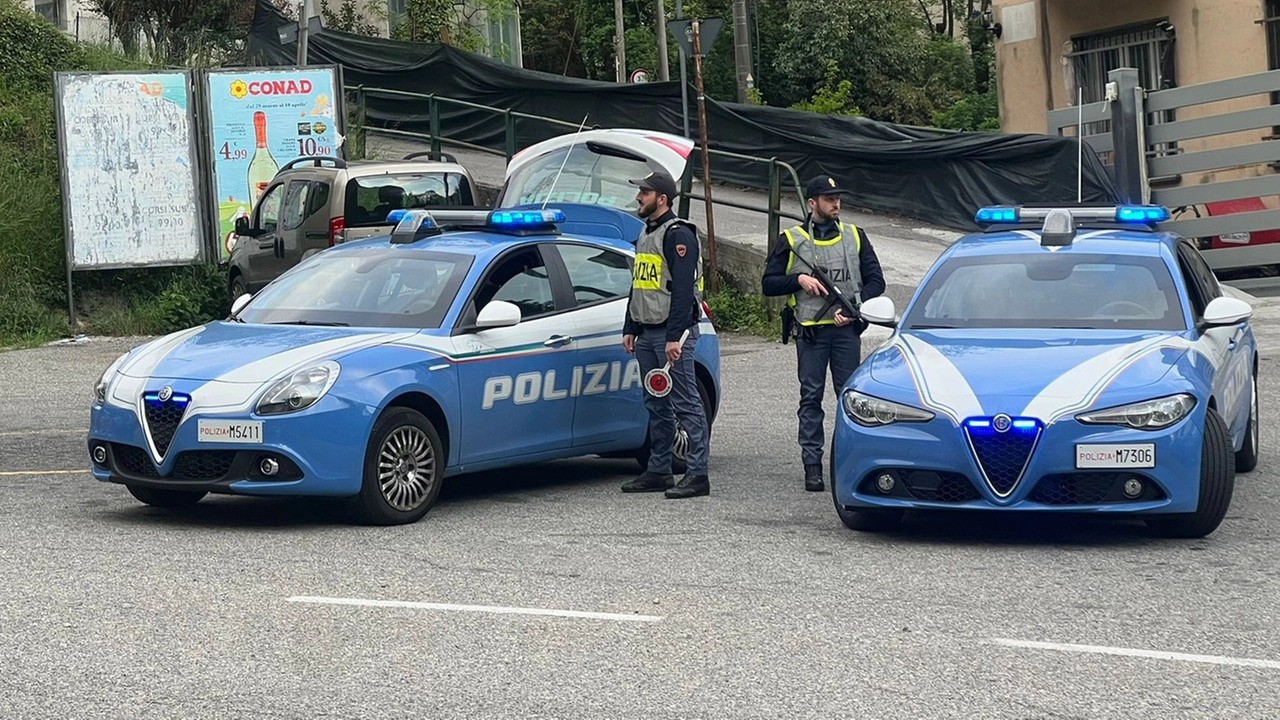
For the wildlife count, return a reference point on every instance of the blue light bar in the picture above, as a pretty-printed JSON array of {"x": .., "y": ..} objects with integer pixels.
[
  {"x": 395, "y": 216},
  {"x": 1142, "y": 214},
  {"x": 979, "y": 423},
  {"x": 1024, "y": 424},
  {"x": 997, "y": 214},
  {"x": 514, "y": 219}
]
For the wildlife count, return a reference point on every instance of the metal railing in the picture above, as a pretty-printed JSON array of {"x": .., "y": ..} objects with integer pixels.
[{"x": 438, "y": 138}]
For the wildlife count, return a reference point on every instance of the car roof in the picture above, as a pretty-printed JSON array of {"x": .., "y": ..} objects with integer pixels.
[
  {"x": 480, "y": 244},
  {"x": 1107, "y": 241},
  {"x": 366, "y": 168}
]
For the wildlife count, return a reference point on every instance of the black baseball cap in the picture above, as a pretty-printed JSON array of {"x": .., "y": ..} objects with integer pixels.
[
  {"x": 660, "y": 182},
  {"x": 822, "y": 185}
]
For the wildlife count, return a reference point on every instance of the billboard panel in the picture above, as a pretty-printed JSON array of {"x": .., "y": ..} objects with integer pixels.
[
  {"x": 259, "y": 120},
  {"x": 131, "y": 179}
]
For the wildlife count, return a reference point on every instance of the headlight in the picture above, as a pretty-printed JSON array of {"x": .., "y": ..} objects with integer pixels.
[
  {"x": 100, "y": 388},
  {"x": 873, "y": 412},
  {"x": 300, "y": 390},
  {"x": 1146, "y": 415}
]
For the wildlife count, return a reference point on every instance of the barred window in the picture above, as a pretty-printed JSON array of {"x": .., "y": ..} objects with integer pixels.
[{"x": 1149, "y": 47}]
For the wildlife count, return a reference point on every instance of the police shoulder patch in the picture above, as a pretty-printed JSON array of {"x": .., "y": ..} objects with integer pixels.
[{"x": 681, "y": 249}]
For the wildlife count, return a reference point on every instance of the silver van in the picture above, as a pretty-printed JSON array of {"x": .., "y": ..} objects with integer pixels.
[{"x": 317, "y": 202}]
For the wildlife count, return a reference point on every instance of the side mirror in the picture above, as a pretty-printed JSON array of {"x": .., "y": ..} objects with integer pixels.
[
  {"x": 242, "y": 226},
  {"x": 239, "y": 304},
  {"x": 1227, "y": 311},
  {"x": 880, "y": 311},
  {"x": 498, "y": 313}
]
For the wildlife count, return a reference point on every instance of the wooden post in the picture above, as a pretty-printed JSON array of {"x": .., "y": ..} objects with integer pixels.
[{"x": 713, "y": 275}]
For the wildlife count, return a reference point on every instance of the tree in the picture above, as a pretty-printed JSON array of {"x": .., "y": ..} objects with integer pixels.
[
  {"x": 349, "y": 18},
  {"x": 179, "y": 32},
  {"x": 449, "y": 21}
]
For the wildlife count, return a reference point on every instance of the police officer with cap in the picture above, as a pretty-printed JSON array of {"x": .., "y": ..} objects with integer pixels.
[
  {"x": 664, "y": 304},
  {"x": 825, "y": 337}
]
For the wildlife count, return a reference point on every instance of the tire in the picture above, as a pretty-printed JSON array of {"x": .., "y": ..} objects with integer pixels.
[
  {"x": 863, "y": 520},
  {"x": 1247, "y": 458},
  {"x": 1217, "y": 484},
  {"x": 680, "y": 445},
  {"x": 404, "y": 446},
  {"x": 156, "y": 497},
  {"x": 237, "y": 286}
]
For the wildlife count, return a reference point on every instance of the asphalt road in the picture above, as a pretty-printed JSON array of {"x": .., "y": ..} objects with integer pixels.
[{"x": 752, "y": 603}]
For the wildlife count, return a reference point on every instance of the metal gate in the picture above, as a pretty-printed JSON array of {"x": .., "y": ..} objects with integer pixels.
[{"x": 1236, "y": 221}]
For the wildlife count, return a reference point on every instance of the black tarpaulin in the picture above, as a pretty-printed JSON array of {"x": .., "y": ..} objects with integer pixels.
[{"x": 936, "y": 176}]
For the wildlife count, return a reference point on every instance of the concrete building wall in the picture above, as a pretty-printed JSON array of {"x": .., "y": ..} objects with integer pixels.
[{"x": 1036, "y": 74}]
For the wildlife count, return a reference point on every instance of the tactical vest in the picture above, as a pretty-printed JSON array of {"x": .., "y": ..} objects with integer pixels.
[
  {"x": 651, "y": 277},
  {"x": 838, "y": 259}
]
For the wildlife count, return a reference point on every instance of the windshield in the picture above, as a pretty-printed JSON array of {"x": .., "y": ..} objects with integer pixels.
[
  {"x": 369, "y": 287},
  {"x": 588, "y": 177},
  {"x": 371, "y": 198},
  {"x": 1058, "y": 290}
]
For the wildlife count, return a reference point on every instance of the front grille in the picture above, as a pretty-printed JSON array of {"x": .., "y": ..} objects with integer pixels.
[
  {"x": 939, "y": 487},
  {"x": 203, "y": 464},
  {"x": 1002, "y": 456},
  {"x": 163, "y": 418},
  {"x": 134, "y": 461},
  {"x": 1091, "y": 488},
  {"x": 206, "y": 465}
]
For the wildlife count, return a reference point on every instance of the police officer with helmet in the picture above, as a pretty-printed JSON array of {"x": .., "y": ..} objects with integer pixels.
[
  {"x": 664, "y": 304},
  {"x": 825, "y": 337}
]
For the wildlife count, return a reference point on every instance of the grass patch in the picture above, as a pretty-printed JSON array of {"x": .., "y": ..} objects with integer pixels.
[{"x": 735, "y": 311}]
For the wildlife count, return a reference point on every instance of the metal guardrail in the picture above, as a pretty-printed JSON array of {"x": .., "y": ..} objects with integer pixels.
[{"x": 438, "y": 138}]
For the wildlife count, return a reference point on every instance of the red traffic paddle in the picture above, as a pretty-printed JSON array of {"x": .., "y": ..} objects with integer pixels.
[{"x": 658, "y": 380}]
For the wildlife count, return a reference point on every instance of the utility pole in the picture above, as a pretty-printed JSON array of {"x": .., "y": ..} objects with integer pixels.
[
  {"x": 304, "y": 19},
  {"x": 684, "y": 81},
  {"x": 713, "y": 275},
  {"x": 741, "y": 47},
  {"x": 621, "y": 41},
  {"x": 664, "y": 72}
]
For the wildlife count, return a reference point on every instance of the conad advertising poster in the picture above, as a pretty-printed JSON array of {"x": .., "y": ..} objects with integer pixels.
[{"x": 259, "y": 120}]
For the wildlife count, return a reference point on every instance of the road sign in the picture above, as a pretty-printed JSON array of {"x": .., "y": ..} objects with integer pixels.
[
  {"x": 682, "y": 31},
  {"x": 639, "y": 75}
]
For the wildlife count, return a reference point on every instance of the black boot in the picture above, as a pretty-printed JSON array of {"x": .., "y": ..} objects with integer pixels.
[
  {"x": 813, "y": 478},
  {"x": 649, "y": 482},
  {"x": 690, "y": 486}
]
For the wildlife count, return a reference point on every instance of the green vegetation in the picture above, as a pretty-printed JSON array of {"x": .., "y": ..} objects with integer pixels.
[
  {"x": 33, "y": 293},
  {"x": 735, "y": 311}
]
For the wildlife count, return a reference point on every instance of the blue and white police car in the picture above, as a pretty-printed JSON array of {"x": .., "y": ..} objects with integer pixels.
[
  {"x": 467, "y": 340},
  {"x": 1071, "y": 359}
]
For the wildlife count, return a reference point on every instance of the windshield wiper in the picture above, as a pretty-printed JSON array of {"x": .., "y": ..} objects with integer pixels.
[
  {"x": 309, "y": 322},
  {"x": 933, "y": 327}
]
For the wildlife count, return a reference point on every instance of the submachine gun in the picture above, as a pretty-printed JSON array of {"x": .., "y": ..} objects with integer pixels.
[{"x": 834, "y": 295}]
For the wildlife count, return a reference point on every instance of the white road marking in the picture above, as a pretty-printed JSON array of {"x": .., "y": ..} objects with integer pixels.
[
  {"x": 497, "y": 609},
  {"x": 15, "y": 473},
  {"x": 1129, "y": 652}
]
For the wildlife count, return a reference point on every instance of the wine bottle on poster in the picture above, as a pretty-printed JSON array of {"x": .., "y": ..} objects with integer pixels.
[{"x": 263, "y": 166}]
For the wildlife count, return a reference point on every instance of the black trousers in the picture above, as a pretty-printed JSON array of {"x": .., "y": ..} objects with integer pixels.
[{"x": 818, "y": 349}]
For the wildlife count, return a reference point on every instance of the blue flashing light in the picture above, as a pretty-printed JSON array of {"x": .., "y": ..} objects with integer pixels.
[
  {"x": 1142, "y": 214},
  {"x": 515, "y": 219},
  {"x": 988, "y": 425},
  {"x": 395, "y": 216},
  {"x": 997, "y": 214}
]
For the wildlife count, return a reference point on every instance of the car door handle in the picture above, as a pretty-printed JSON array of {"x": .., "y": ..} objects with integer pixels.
[{"x": 556, "y": 340}]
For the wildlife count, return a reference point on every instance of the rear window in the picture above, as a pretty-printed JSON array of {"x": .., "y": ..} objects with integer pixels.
[
  {"x": 586, "y": 177},
  {"x": 371, "y": 198},
  {"x": 1058, "y": 290}
]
